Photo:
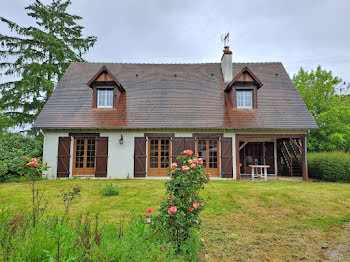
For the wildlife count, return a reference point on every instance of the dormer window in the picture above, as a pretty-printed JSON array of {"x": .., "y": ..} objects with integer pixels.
[
  {"x": 244, "y": 99},
  {"x": 105, "y": 98},
  {"x": 106, "y": 89},
  {"x": 243, "y": 90}
]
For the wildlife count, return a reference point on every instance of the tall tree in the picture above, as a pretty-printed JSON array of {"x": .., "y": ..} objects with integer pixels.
[
  {"x": 329, "y": 107},
  {"x": 38, "y": 56}
]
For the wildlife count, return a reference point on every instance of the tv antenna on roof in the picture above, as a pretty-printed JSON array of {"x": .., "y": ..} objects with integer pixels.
[{"x": 225, "y": 38}]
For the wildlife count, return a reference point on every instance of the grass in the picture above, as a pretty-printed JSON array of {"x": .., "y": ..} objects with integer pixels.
[{"x": 256, "y": 221}]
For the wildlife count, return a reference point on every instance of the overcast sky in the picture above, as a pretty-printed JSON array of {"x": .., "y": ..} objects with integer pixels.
[{"x": 299, "y": 33}]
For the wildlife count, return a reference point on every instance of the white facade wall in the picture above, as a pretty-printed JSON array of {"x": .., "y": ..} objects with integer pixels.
[{"x": 121, "y": 157}]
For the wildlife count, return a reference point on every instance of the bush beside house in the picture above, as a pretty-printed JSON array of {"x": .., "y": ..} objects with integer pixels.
[
  {"x": 329, "y": 166},
  {"x": 13, "y": 147}
]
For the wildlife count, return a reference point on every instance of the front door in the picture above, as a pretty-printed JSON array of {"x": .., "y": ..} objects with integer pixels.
[
  {"x": 158, "y": 156},
  {"x": 251, "y": 154},
  {"x": 84, "y": 156},
  {"x": 208, "y": 150}
]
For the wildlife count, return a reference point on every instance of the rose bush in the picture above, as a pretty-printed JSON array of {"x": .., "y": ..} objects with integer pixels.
[{"x": 179, "y": 213}]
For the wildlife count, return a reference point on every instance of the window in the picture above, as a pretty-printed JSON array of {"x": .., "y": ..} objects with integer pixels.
[
  {"x": 244, "y": 99},
  {"x": 208, "y": 150},
  {"x": 105, "y": 98}
]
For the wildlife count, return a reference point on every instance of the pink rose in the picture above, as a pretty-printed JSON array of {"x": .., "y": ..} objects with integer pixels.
[
  {"x": 193, "y": 166},
  {"x": 195, "y": 161},
  {"x": 185, "y": 169},
  {"x": 172, "y": 210},
  {"x": 196, "y": 205},
  {"x": 200, "y": 160},
  {"x": 33, "y": 164},
  {"x": 149, "y": 211},
  {"x": 190, "y": 161},
  {"x": 187, "y": 152},
  {"x": 174, "y": 165}
]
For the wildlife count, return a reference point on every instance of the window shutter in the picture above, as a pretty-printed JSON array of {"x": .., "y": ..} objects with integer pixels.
[
  {"x": 180, "y": 144},
  {"x": 101, "y": 156},
  {"x": 177, "y": 147},
  {"x": 140, "y": 157},
  {"x": 226, "y": 157},
  {"x": 63, "y": 160},
  {"x": 190, "y": 143}
]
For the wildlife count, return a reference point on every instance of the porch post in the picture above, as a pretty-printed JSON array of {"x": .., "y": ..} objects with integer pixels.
[{"x": 304, "y": 162}]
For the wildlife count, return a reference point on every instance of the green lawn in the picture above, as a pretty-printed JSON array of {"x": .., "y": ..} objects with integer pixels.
[{"x": 255, "y": 221}]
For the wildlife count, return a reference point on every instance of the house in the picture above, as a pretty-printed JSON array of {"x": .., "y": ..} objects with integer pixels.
[{"x": 115, "y": 120}]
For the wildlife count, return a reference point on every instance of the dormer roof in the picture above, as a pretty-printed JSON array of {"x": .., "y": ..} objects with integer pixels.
[
  {"x": 104, "y": 77},
  {"x": 246, "y": 76}
]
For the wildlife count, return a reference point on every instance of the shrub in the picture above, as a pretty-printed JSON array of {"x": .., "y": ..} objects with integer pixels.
[
  {"x": 109, "y": 190},
  {"x": 83, "y": 240},
  {"x": 329, "y": 166},
  {"x": 13, "y": 146},
  {"x": 179, "y": 213}
]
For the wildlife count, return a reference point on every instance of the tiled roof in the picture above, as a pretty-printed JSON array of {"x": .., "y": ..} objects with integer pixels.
[{"x": 174, "y": 96}]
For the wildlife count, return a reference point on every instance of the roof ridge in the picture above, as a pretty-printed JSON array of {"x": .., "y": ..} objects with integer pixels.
[{"x": 203, "y": 63}]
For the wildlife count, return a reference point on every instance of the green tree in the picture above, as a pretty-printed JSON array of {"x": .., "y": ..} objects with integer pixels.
[
  {"x": 38, "y": 56},
  {"x": 331, "y": 110}
]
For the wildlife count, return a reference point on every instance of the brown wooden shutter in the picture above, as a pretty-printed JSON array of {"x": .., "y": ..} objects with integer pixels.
[
  {"x": 226, "y": 157},
  {"x": 63, "y": 160},
  {"x": 190, "y": 143},
  {"x": 140, "y": 157},
  {"x": 177, "y": 147},
  {"x": 101, "y": 156}
]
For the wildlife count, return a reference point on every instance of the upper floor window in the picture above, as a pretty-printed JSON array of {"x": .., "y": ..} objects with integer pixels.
[
  {"x": 105, "y": 98},
  {"x": 244, "y": 99}
]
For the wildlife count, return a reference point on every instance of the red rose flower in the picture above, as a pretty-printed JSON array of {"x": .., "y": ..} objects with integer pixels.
[
  {"x": 149, "y": 211},
  {"x": 33, "y": 164},
  {"x": 193, "y": 166},
  {"x": 190, "y": 161},
  {"x": 172, "y": 210},
  {"x": 187, "y": 152},
  {"x": 195, "y": 161},
  {"x": 196, "y": 205},
  {"x": 191, "y": 209},
  {"x": 174, "y": 165},
  {"x": 200, "y": 161},
  {"x": 185, "y": 169}
]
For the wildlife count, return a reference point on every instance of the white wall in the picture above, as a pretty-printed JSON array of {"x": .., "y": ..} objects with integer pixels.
[{"x": 120, "y": 157}]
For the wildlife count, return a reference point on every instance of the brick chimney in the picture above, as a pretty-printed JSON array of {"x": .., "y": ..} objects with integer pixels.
[{"x": 226, "y": 65}]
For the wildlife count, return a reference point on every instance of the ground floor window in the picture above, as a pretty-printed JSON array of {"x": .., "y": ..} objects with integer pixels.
[
  {"x": 84, "y": 156},
  {"x": 158, "y": 156},
  {"x": 208, "y": 150}
]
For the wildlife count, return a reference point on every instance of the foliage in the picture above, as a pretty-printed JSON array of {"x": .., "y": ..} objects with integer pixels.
[
  {"x": 329, "y": 166},
  {"x": 84, "y": 240},
  {"x": 179, "y": 213},
  {"x": 39, "y": 55},
  {"x": 13, "y": 146},
  {"x": 109, "y": 190},
  {"x": 330, "y": 110},
  {"x": 69, "y": 196}
]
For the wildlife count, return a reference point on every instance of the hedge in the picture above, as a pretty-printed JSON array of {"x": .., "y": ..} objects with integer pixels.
[{"x": 329, "y": 166}]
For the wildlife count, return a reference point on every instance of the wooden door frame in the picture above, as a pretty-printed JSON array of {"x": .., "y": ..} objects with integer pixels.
[
  {"x": 218, "y": 154},
  {"x": 83, "y": 171},
  {"x": 161, "y": 172}
]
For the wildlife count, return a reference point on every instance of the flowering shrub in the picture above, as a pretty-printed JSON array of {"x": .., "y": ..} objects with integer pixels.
[{"x": 179, "y": 213}]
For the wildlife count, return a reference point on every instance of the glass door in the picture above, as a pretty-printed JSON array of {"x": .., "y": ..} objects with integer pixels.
[
  {"x": 158, "y": 156},
  {"x": 84, "y": 156},
  {"x": 208, "y": 150}
]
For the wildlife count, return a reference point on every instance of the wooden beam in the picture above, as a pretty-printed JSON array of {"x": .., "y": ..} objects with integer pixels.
[
  {"x": 242, "y": 146},
  {"x": 238, "y": 169},
  {"x": 243, "y": 136},
  {"x": 296, "y": 144},
  {"x": 304, "y": 160}
]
